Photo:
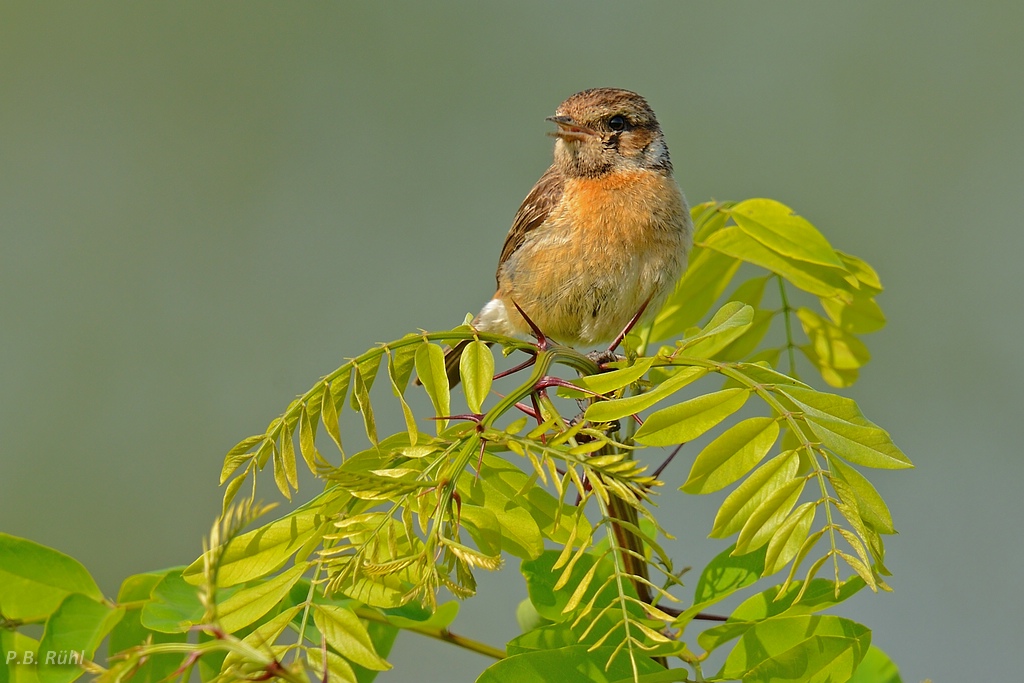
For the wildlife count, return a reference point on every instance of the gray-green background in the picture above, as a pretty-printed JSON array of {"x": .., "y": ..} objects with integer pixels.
[{"x": 205, "y": 206}]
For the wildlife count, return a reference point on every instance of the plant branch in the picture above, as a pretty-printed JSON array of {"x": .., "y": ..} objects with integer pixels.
[
  {"x": 436, "y": 633},
  {"x": 787, "y": 318}
]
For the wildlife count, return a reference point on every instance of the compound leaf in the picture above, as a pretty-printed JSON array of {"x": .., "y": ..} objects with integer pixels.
[
  {"x": 732, "y": 454},
  {"x": 687, "y": 420}
]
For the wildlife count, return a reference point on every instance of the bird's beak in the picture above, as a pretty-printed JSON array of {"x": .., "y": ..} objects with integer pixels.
[{"x": 569, "y": 130}]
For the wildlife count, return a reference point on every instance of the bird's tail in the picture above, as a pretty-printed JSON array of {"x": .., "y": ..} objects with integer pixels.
[{"x": 452, "y": 356}]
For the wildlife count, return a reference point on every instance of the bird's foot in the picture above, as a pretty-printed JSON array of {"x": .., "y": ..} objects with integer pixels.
[{"x": 605, "y": 356}]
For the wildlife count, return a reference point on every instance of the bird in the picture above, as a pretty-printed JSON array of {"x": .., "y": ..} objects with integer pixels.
[{"x": 601, "y": 239}]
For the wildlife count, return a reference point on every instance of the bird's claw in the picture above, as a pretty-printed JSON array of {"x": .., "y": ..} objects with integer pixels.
[{"x": 605, "y": 356}]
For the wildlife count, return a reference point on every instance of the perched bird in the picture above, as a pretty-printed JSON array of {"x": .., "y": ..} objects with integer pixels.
[{"x": 601, "y": 238}]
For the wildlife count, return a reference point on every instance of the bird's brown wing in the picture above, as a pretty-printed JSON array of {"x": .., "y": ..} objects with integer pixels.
[{"x": 534, "y": 210}]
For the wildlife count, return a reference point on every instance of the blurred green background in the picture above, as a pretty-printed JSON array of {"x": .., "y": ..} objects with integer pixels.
[{"x": 205, "y": 206}]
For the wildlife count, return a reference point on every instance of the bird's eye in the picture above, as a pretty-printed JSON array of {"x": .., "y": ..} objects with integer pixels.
[{"x": 617, "y": 123}]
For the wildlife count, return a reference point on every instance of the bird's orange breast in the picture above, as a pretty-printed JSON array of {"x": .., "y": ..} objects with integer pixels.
[
  {"x": 612, "y": 243},
  {"x": 620, "y": 213}
]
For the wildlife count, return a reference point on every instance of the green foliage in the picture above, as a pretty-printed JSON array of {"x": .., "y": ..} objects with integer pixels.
[
  {"x": 34, "y": 579},
  {"x": 322, "y": 591}
]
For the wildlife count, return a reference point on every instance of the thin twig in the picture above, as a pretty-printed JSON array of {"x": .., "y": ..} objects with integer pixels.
[{"x": 437, "y": 633}]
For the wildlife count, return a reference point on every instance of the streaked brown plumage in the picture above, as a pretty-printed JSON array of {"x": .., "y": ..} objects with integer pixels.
[{"x": 603, "y": 232}]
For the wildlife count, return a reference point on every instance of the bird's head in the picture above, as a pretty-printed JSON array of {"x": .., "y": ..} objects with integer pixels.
[{"x": 604, "y": 130}]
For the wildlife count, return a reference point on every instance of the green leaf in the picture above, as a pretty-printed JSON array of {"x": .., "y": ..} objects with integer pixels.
[
  {"x": 551, "y": 592},
  {"x": 398, "y": 389},
  {"x": 483, "y": 526},
  {"x": 731, "y": 455},
  {"x": 383, "y": 637},
  {"x": 776, "y": 226},
  {"x": 707, "y": 276},
  {"x": 281, "y": 475},
  {"x": 876, "y": 667},
  {"x": 307, "y": 442},
  {"x": 789, "y": 538},
  {"x": 341, "y": 383},
  {"x": 739, "y": 505},
  {"x": 238, "y": 455},
  {"x": 383, "y": 592},
  {"x": 382, "y": 484},
  {"x": 529, "y": 620},
  {"x": 361, "y": 394},
  {"x": 231, "y": 490},
  {"x": 663, "y": 676},
  {"x": 348, "y": 636},
  {"x": 21, "y": 647},
  {"x": 265, "y": 451},
  {"x": 581, "y": 588},
  {"x": 801, "y": 555},
  {"x": 769, "y": 515},
  {"x": 287, "y": 452},
  {"x": 835, "y": 377},
  {"x": 401, "y": 361},
  {"x": 833, "y": 346},
  {"x": 804, "y": 649},
  {"x": 415, "y": 616},
  {"x": 129, "y": 632},
  {"x": 262, "y": 551},
  {"x": 262, "y": 638},
  {"x": 78, "y": 626},
  {"x": 773, "y": 602},
  {"x": 819, "y": 595},
  {"x": 860, "y": 567},
  {"x": 174, "y": 605},
  {"x": 519, "y": 507},
  {"x": 138, "y": 588},
  {"x": 575, "y": 664},
  {"x": 810, "y": 277},
  {"x": 687, "y": 420},
  {"x": 865, "y": 274},
  {"x": 723, "y": 576},
  {"x": 868, "y": 446},
  {"x": 607, "y": 382},
  {"x": 751, "y": 339},
  {"x": 709, "y": 217},
  {"x": 35, "y": 579},
  {"x": 249, "y": 604},
  {"x": 606, "y": 411},
  {"x": 865, "y": 498},
  {"x": 844, "y": 430},
  {"x": 331, "y": 404},
  {"x": 504, "y": 488},
  {"x": 546, "y": 636},
  {"x": 727, "y": 573},
  {"x": 730, "y": 322},
  {"x": 338, "y": 670},
  {"x": 476, "y": 367},
  {"x": 861, "y": 315},
  {"x": 431, "y": 372},
  {"x": 368, "y": 368}
]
